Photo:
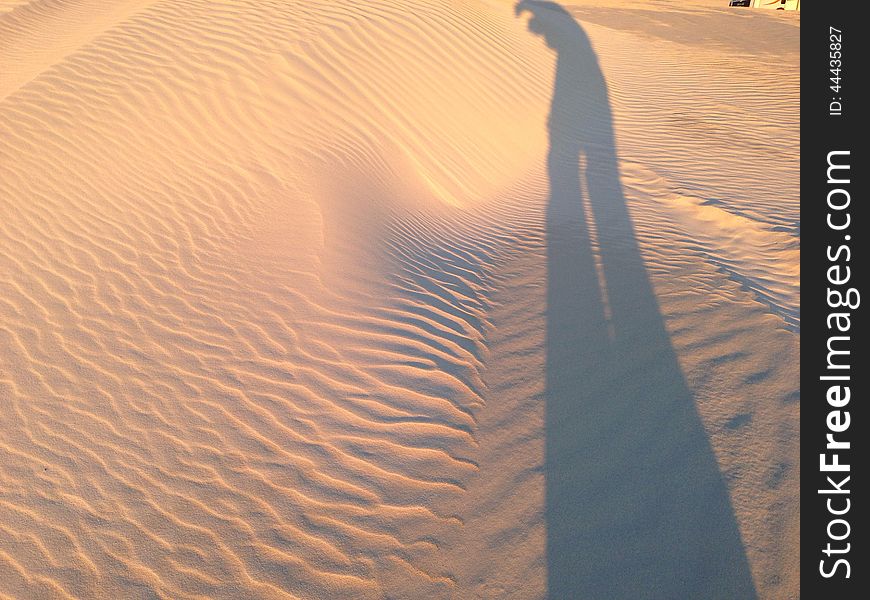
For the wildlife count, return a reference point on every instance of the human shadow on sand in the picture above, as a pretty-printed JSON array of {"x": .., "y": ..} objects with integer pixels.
[{"x": 636, "y": 506}]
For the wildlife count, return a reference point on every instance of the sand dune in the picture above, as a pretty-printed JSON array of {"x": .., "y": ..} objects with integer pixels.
[{"x": 277, "y": 304}]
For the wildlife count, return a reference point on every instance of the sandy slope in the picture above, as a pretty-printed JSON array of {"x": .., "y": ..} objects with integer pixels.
[{"x": 275, "y": 317}]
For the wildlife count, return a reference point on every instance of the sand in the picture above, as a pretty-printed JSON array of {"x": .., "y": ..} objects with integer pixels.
[{"x": 387, "y": 299}]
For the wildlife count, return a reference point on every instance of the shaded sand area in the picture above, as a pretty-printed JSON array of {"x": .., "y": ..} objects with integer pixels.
[{"x": 431, "y": 299}]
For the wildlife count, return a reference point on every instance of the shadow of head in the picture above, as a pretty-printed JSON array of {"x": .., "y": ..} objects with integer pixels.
[{"x": 549, "y": 20}]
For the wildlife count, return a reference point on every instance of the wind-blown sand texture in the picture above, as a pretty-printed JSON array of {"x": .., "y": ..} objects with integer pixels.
[{"x": 341, "y": 299}]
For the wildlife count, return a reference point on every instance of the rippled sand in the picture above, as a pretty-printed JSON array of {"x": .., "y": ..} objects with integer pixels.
[{"x": 274, "y": 295}]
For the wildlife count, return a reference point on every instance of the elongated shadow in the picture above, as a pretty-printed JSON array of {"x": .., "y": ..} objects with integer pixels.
[{"x": 636, "y": 505}]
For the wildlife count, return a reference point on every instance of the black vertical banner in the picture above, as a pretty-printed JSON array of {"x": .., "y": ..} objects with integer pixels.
[{"x": 834, "y": 174}]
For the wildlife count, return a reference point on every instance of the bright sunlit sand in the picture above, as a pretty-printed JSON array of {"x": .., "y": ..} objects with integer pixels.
[{"x": 429, "y": 299}]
